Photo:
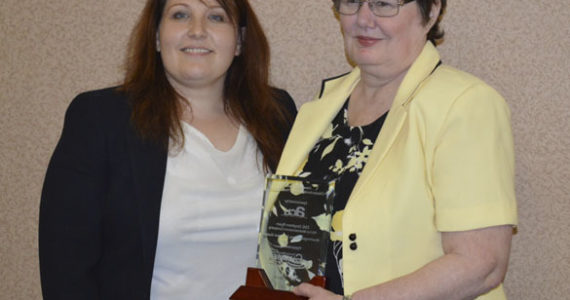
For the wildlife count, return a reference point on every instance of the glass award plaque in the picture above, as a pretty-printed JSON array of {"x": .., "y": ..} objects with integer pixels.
[{"x": 294, "y": 230}]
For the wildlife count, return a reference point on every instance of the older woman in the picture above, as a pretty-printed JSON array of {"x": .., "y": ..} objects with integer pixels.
[
  {"x": 154, "y": 188},
  {"x": 423, "y": 158}
]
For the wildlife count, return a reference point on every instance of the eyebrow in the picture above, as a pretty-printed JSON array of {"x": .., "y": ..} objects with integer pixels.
[
  {"x": 174, "y": 5},
  {"x": 211, "y": 6},
  {"x": 187, "y": 6}
]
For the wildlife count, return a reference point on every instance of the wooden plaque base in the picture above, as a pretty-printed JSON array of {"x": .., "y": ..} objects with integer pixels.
[{"x": 258, "y": 287}]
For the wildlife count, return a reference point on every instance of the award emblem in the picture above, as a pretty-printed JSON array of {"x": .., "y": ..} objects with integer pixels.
[
  {"x": 293, "y": 238},
  {"x": 294, "y": 230}
]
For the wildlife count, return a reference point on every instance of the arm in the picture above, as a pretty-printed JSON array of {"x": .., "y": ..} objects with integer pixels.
[
  {"x": 475, "y": 262},
  {"x": 70, "y": 209}
]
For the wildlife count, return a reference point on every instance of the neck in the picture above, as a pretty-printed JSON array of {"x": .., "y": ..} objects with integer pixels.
[
  {"x": 375, "y": 87},
  {"x": 372, "y": 97},
  {"x": 203, "y": 108},
  {"x": 201, "y": 100}
]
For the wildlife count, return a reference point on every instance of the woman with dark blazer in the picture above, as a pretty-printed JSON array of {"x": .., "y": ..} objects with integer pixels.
[{"x": 114, "y": 213}]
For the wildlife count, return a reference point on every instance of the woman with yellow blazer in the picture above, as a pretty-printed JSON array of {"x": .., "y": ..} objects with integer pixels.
[{"x": 423, "y": 155}]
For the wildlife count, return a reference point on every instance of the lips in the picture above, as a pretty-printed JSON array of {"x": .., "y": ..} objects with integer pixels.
[
  {"x": 367, "y": 41},
  {"x": 196, "y": 50}
]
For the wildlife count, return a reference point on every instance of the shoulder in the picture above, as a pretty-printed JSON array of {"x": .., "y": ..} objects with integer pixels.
[
  {"x": 449, "y": 73},
  {"x": 103, "y": 98},
  {"x": 333, "y": 93},
  {"x": 457, "y": 82},
  {"x": 449, "y": 87},
  {"x": 330, "y": 82},
  {"x": 285, "y": 100},
  {"x": 106, "y": 109},
  {"x": 281, "y": 95},
  {"x": 338, "y": 82},
  {"x": 455, "y": 101},
  {"x": 108, "y": 102}
]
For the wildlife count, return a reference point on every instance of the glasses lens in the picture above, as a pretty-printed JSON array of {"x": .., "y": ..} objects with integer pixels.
[
  {"x": 385, "y": 8},
  {"x": 348, "y": 7},
  {"x": 381, "y": 8}
]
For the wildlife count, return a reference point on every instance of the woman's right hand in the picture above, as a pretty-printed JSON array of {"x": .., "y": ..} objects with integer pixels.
[{"x": 314, "y": 292}]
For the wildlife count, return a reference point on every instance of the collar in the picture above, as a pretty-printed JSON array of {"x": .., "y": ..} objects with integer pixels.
[{"x": 315, "y": 116}]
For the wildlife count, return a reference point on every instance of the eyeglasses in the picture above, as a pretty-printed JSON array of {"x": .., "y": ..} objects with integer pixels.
[{"x": 380, "y": 8}]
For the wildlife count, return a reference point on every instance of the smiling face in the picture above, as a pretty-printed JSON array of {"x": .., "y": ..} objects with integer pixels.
[
  {"x": 388, "y": 45},
  {"x": 197, "y": 42}
]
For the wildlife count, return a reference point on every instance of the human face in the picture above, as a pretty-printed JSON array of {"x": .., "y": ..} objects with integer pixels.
[
  {"x": 384, "y": 45},
  {"x": 197, "y": 42}
]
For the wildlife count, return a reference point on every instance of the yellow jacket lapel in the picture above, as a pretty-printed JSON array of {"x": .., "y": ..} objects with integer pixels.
[
  {"x": 418, "y": 72},
  {"x": 312, "y": 120}
]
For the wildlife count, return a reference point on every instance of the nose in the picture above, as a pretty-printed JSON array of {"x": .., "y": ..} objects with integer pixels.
[
  {"x": 365, "y": 17},
  {"x": 197, "y": 28}
]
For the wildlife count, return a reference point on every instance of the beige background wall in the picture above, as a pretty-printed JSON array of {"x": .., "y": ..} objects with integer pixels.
[{"x": 51, "y": 50}]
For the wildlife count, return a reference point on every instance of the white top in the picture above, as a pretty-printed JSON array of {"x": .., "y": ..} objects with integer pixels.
[{"x": 209, "y": 218}]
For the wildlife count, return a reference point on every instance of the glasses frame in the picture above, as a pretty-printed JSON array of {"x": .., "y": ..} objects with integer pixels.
[{"x": 361, "y": 2}]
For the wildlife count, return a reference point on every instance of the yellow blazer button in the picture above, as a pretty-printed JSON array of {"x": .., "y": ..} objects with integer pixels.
[{"x": 353, "y": 246}]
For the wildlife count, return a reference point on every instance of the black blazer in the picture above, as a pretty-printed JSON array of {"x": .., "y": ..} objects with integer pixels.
[{"x": 100, "y": 203}]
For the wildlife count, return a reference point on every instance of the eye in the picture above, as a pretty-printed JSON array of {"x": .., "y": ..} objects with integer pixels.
[
  {"x": 179, "y": 15},
  {"x": 220, "y": 18},
  {"x": 383, "y": 4}
]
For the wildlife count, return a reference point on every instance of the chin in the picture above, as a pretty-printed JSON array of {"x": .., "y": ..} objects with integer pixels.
[
  {"x": 196, "y": 75},
  {"x": 364, "y": 61}
]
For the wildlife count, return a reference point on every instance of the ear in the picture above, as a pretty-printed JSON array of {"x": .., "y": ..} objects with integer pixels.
[
  {"x": 240, "y": 39},
  {"x": 434, "y": 12},
  {"x": 157, "y": 42}
]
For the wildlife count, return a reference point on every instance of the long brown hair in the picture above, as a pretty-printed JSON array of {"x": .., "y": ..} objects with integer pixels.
[{"x": 156, "y": 106}]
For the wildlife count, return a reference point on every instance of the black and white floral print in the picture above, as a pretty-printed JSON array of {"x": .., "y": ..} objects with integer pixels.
[{"x": 341, "y": 154}]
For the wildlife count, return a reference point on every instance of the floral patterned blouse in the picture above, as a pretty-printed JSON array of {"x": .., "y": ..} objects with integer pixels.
[{"x": 340, "y": 154}]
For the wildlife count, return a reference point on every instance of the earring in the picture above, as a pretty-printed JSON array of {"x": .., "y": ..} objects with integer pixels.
[
  {"x": 240, "y": 39},
  {"x": 238, "y": 50},
  {"x": 157, "y": 43}
]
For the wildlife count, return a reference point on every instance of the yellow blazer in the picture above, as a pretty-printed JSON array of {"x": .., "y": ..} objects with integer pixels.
[{"x": 443, "y": 161}]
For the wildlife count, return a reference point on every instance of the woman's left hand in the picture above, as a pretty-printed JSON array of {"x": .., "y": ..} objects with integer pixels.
[{"x": 315, "y": 292}]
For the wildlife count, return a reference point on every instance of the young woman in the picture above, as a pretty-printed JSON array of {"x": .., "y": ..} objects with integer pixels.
[{"x": 155, "y": 187}]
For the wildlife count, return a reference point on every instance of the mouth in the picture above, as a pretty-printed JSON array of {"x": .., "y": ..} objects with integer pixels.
[
  {"x": 196, "y": 50},
  {"x": 367, "y": 41}
]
